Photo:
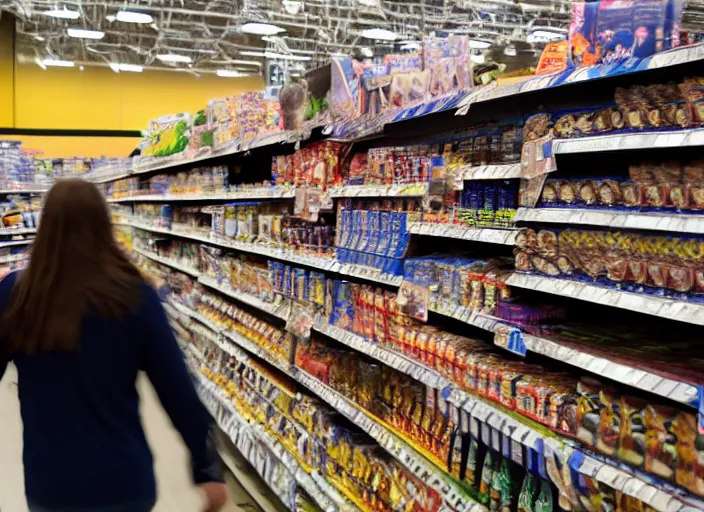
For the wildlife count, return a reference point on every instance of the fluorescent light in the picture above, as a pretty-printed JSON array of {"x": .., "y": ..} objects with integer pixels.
[
  {"x": 283, "y": 56},
  {"x": 250, "y": 53},
  {"x": 229, "y": 73},
  {"x": 246, "y": 62},
  {"x": 59, "y": 63},
  {"x": 411, "y": 45},
  {"x": 379, "y": 33},
  {"x": 544, "y": 36},
  {"x": 172, "y": 57},
  {"x": 126, "y": 67},
  {"x": 478, "y": 44},
  {"x": 64, "y": 14},
  {"x": 133, "y": 17},
  {"x": 85, "y": 34},
  {"x": 261, "y": 29},
  {"x": 40, "y": 63}
]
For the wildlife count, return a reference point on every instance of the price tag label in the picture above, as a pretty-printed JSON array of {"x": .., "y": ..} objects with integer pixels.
[{"x": 510, "y": 338}]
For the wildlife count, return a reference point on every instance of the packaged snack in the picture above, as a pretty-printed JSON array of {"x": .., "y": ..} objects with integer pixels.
[
  {"x": 489, "y": 467},
  {"x": 528, "y": 495}
]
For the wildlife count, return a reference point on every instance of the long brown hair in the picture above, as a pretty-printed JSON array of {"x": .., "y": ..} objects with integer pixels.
[{"x": 75, "y": 269}]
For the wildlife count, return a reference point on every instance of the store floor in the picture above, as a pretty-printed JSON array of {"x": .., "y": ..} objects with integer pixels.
[{"x": 176, "y": 494}]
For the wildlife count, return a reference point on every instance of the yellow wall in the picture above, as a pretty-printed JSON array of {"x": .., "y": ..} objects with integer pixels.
[
  {"x": 67, "y": 147},
  {"x": 6, "y": 71},
  {"x": 98, "y": 98}
]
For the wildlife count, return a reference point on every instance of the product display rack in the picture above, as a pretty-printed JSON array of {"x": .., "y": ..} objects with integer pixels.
[{"x": 539, "y": 450}]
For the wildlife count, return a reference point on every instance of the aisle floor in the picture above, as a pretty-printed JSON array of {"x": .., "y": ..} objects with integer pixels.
[{"x": 176, "y": 494}]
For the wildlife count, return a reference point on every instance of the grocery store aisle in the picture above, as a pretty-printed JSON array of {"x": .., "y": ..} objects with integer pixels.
[{"x": 171, "y": 459}]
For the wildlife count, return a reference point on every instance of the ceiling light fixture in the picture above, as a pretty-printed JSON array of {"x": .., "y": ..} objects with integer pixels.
[
  {"x": 173, "y": 57},
  {"x": 229, "y": 73},
  {"x": 381, "y": 34},
  {"x": 478, "y": 44},
  {"x": 261, "y": 29},
  {"x": 58, "y": 63},
  {"x": 133, "y": 17},
  {"x": 546, "y": 35},
  {"x": 283, "y": 56},
  {"x": 132, "y": 68},
  {"x": 246, "y": 62},
  {"x": 80, "y": 33},
  {"x": 249, "y": 53},
  {"x": 64, "y": 14}
]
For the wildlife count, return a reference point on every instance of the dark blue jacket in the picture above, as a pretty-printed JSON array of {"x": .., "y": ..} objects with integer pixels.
[{"x": 84, "y": 445}]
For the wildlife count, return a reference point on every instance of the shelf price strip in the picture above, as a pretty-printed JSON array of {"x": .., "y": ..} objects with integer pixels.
[
  {"x": 673, "y": 222},
  {"x": 469, "y": 233},
  {"x": 690, "y": 312}
]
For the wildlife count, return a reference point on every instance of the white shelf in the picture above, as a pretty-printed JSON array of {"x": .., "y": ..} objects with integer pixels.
[
  {"x": 109, "y": 178},
  {"x": 241, "y": 194},
  {"x": 644, "y": 380},
  {"x": 279, "y": 310},
  {"x": 689, "y": 312},
  {"x": 490, "y": 172},
  {"x": 13, "y": 243},
  {"x": 28, "y": 190},
  {"x": 168, "y": 262},
  {"x": 366, "y": 273},
  {"x": 408, "y": 190},
  {"x": 4, "y": 260},
  {"x": 621, "y": 219},
  {"x": 487, "y": 235},
  {"x": 468, "y": 316},
  {"x": 17, "y": 231},
  {"x": 493, "y": 418},
  {"x": 629, "y": 141}
]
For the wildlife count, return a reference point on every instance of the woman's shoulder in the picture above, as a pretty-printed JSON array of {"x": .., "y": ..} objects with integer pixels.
[{"x": 8, "y": 282}]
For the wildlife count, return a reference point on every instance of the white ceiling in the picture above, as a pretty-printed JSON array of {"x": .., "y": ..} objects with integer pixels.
[{"x": 208, "y": 30}]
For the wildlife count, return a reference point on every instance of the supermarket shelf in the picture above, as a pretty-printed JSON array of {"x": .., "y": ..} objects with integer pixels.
[
  {"x": 689, "y": 312},
  {"x": 13, "y": 243},
  {"x": 674, "y": 57},
  {"x": 629, "y": 141},
  {"x": 515, "y": 435},
  {"x": 489, "y": 172},
  {"x": 367, "y": 273},
  {"x": 280, "y": 310},
  {"x": 4, "y": 260},
  {"x": 415, "y": 462},
  {"x": 318, "y": 262},
  {"x": 468, "y": 316},
  {"x": 245, "y": 193},
  {"x": 244, "y": 478},
  {"x": 149, "y": 164},
  {"x": 408, "y": 190},
  {"x": 621, "y": 219},
  {"x": 168, "y": 262},
  {"x": 433, "y": 476},
  {"x": 29, "y": 190},
  {"x": 644, "y": 380},
  {"x": 17, "y": 231},
  {"x": 488, "y": 235},
  {"x": 234, "y": 425},
  {"x": 109, "y": 178}
]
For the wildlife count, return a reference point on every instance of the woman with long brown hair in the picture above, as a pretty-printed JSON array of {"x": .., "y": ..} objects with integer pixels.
[{"x": 79, "y": 323}]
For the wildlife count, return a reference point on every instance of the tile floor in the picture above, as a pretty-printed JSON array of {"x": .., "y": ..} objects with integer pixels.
[{"x": 176, "y": 494}]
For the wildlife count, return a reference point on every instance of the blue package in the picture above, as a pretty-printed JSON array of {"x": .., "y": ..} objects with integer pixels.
[
  {"x": 648, "y": 28},
  {"x": 614, "y": 30}
]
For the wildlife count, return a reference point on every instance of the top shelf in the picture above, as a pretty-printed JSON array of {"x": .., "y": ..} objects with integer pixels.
[{"x": 388, "y": 121}]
